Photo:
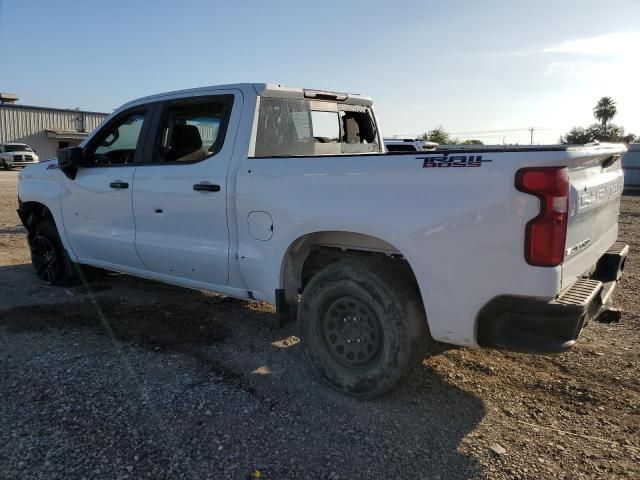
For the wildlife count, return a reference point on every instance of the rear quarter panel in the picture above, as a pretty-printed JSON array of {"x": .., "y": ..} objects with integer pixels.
[{"x": 461, "y": 229}]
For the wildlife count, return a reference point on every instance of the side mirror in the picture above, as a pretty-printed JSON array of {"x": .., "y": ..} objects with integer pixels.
[{"x": 69, "y": 159}]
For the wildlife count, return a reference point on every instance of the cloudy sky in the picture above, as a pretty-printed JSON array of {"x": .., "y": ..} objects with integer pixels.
[{"x": 483, "y": 69}]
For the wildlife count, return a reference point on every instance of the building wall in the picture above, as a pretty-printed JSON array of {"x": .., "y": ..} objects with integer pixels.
[
  {"x": 25, "y": 124},
  {"x": 631, "y": 166}
]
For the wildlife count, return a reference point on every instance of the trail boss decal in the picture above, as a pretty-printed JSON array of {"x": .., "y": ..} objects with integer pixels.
[{"x": 445, "y": 161}]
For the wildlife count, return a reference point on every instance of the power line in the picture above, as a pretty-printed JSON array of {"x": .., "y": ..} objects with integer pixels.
[{"x": 506, "y": 130}]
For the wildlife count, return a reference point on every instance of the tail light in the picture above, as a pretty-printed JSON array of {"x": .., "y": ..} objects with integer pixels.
[{"x": 546, "y": 234}]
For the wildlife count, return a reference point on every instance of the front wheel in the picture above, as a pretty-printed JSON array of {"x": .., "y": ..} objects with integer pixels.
[
  {"x": 49, "y": 258},
  {"x": 363, "y": 327}
]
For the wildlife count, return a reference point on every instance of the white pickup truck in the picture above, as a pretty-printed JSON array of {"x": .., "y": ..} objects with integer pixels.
[
  {"x": 16, "y": 155},
  {"x": 286, "y": 195}
]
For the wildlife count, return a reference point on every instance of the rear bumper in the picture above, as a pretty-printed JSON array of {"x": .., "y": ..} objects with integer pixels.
[{"x": 532, "y": 325}]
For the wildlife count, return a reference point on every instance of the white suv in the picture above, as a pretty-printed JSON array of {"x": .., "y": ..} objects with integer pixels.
[{"x": 17, "y": 155}]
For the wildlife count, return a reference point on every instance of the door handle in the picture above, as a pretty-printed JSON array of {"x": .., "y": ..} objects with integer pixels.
[
  {"x": 119, "y": 184},
  {"x": 206, "y": 187}
]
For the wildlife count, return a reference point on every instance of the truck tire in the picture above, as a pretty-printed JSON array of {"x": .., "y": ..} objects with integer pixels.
[
  {"x": 49, "y": 258},
  {"x": 363, "y": 327}
]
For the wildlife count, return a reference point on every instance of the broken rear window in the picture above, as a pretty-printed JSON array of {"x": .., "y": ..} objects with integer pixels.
[{"x": 301, "y": 127}]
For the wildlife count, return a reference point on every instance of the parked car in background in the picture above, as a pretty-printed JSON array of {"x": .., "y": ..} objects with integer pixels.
[
  {"x": 408, "y": 145},
  {"x": 17, "y": 155},
  {"x": 631, "y": 166},
  {"x": 288, "y": 195}
]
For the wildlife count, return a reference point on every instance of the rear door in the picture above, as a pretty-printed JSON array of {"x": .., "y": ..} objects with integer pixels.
[
  {"x": 594, "y": 203},
  {"x": 96, "y": 204},
  {"x": 180, "y": 193}
]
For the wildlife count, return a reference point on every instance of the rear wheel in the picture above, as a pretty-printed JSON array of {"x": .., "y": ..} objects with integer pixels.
[
  {"x": 49, "y": 258},
  {"x": 363, "y": 327}
]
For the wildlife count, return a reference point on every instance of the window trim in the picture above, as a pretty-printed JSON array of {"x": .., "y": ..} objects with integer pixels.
[
  {"x": 148, "y": 109},
  {"x": 155, "y": 133}
]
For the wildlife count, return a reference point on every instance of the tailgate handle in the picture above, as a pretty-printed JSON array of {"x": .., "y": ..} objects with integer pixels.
[{"x": 610, "y": 161}]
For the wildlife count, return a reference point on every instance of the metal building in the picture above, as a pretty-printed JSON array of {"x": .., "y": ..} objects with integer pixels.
[
  {"x": 631, "y": 166},
  {"x": 44, "y": 129}
]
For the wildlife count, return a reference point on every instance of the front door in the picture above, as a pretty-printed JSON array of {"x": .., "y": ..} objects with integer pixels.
[
  {"x": 96, "y": 204},
  {"x": 179, "y": 197}
]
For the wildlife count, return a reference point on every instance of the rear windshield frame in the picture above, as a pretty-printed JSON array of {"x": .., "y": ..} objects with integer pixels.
[{"x": 271, "y": 110}]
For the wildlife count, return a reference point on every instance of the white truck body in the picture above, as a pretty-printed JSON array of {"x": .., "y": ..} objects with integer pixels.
[{"x": 460, "y": 230}]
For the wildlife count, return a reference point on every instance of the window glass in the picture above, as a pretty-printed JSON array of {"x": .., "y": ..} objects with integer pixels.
[
  {"x": 289, "y": 127},
  {"x": 17, "y": 147},
  {"x": 284, "y": 128},
  {"x": 118, "y": 144},
  {"x": 193, "y": 129},
  {"x": 301, "y": 124}
]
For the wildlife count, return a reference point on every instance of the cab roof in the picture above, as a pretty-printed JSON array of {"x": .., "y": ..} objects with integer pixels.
[{"x": 260, "y": 89}]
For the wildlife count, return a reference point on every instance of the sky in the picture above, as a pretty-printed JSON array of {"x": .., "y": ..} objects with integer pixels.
[{"x": 481, "y": 69}]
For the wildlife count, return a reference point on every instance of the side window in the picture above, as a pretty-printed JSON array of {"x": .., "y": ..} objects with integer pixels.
[
  {"x": 193, "y": 129},
  {"x": 295, "y": 127},
  {"x": 118, "y": 144}
]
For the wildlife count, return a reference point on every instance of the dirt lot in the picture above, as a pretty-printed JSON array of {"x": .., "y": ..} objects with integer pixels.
[{"x": 133, "y": 379}]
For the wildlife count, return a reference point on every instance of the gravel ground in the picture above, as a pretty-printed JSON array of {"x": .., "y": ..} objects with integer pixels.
[{"x": 132, "y": 379}]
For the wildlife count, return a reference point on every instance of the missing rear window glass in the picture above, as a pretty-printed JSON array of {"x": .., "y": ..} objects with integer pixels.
[{"x": 292, "y": 127}]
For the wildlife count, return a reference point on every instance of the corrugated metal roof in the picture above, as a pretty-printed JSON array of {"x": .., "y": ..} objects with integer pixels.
[
  {"x": 50, "y": 109},
  {"x": 66, "y": 134}
]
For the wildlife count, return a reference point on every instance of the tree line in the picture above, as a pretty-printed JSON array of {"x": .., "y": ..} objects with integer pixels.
[
  {"x": 441, "y": 136},
  {"x": 603, "y": 130}
]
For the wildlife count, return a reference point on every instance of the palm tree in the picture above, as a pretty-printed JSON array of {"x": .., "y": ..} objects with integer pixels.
[{"x": 605, "y": 110}]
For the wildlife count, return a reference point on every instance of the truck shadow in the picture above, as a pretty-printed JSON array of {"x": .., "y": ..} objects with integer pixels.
[{"x": 422, "y": 424}]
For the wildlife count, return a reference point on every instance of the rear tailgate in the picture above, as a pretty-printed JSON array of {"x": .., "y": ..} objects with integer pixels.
[{"x": 596, "y": 178}]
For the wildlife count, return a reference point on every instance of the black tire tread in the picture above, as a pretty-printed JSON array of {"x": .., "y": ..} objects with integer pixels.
[
  {"x": 401, "y": 296},
  {"x": 70, "y": 272}
]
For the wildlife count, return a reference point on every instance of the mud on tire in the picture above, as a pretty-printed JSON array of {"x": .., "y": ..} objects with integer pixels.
[{"x": 363, "y": 327}]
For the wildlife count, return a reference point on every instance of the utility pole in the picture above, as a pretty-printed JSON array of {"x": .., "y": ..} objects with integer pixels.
[{"x": 531, "y": 130}]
